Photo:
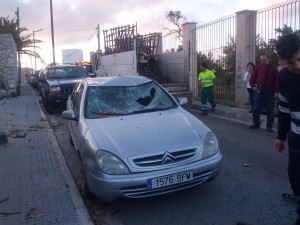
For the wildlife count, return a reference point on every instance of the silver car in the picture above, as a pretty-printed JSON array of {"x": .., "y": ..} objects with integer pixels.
[{"x": 135, "y": 140}]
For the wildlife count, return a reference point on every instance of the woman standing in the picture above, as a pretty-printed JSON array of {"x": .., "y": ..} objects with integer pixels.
[
  {"x": 250, "y": 69},
  {"x": 288, "y": 49}
]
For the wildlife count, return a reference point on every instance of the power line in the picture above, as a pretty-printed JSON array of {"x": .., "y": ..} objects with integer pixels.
[{"x": 68, "y": 31}]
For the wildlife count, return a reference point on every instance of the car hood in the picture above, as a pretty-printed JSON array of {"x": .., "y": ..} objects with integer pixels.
[
  {"x": 59, "y": 82},
  {"x": 149, "y": 132}
]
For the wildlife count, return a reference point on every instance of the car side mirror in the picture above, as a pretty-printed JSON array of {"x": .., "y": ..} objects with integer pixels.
[{"x": 69, "y": 115}]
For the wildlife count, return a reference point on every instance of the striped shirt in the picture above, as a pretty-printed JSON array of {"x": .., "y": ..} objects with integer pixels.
[{"x": 289, "y": 108}]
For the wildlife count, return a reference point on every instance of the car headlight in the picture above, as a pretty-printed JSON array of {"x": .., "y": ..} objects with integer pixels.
[
  {"x": 210, "y": 145},
  {"x": 110, "y": 164},
  {"x": 55, "y": 88}
]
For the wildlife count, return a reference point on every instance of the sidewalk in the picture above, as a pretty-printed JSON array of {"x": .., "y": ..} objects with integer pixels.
[
  {"x": 235, "y": 114},
  {"x": 35, "y": 182}
]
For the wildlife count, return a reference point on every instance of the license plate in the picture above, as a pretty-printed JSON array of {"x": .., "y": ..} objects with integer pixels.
[{"x": 168, "y": 180}]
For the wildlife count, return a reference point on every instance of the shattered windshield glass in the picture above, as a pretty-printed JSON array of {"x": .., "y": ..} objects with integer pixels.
[{"x": 126, "y": 100}]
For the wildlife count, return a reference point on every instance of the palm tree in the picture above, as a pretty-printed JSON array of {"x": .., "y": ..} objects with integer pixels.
[{"x": 24, "y": 43}]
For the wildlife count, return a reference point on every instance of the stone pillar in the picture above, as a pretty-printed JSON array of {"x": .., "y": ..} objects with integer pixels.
[
  {"x": 190, "y": 54},
  {"x": 245, "y": 51},
  {"x": 8, "y": 63}
]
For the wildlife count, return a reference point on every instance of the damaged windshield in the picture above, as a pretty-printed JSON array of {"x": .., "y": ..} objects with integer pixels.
[{"x": 125, "y": 100}]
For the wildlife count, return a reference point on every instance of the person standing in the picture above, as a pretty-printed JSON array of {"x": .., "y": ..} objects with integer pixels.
[
  {"x": 250, "y": 69},
  {"x": 281, "y": 65},
  {"x": 288, "y": 48},
  {"x": 205, "y": 79},
  {"x": 264, "y": 82}
]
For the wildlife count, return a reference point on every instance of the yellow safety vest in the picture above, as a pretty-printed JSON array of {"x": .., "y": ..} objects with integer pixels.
[{"x": 206, "y": 78}]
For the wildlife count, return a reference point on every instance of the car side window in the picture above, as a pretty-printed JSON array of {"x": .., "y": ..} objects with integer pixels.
[
  {"x": 77, "y": 100},
  {"x": 74, "y": 93}
]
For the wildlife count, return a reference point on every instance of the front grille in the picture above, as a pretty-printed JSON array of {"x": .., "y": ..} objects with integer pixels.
[
  {"x": 66, "y": 90},
  {"x": 165, "y": 158},
  {"x": 142, "y": 191}
]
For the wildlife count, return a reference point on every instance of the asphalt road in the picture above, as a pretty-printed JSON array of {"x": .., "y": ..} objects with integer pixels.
[
  {"x": 248, "y": 188},
  {"x": 249, "y": 194}
]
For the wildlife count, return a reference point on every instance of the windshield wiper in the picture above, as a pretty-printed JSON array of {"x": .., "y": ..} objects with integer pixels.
[
  {"x": 148, "y": 110},
  {"x": 112, "y": 113},
  {"x": 105, "y": 113}
]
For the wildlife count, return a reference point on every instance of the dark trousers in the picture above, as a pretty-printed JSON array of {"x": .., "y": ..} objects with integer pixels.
[
  {"x": 294, "y": 174},
  {"x": 250, "y": 92},
  {"x": 294, "y": 170},
  {"x": 266, "y": 98},
  {"x": 207, "y": 94}
]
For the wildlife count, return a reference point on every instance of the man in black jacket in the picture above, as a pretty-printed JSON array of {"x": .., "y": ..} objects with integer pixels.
[{"x": 288, "y": 48}]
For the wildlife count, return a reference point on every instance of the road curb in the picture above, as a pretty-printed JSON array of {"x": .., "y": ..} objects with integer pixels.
[{"x": 83, "y": 215}]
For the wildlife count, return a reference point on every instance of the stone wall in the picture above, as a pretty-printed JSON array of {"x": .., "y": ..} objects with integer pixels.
[{"x": 8, "y": 63}]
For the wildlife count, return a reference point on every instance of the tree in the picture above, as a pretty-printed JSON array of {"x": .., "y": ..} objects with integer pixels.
[
  {"x": 23, "y": 42},
  {"x": 176, "y": 18},
  {"x": 269, "y": 48}
]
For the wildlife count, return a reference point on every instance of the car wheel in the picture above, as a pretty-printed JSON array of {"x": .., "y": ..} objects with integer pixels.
[
  {"x": 48, "y": 106},
  {"x": 86, "y": 193}
]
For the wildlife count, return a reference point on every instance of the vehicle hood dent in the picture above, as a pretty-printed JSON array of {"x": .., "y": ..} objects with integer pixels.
[{"x": 151, "y": 132}]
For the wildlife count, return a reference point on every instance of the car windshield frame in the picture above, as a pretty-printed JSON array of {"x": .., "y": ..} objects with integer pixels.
[
  {"x": 66, "y": 72},
  {"x": 106, "y": 101}
]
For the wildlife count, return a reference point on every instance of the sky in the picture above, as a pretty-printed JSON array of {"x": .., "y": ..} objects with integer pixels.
[{"x": 75, "y": 21}]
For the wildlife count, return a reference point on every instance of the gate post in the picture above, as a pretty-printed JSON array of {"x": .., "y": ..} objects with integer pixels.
[
  {"x": 190, "y": 55},
  {"x": 245, "y": 51}
]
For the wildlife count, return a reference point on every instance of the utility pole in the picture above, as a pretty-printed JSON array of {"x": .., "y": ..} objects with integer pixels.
[
  {"x": 52, "y": 32},
  {"x": 18, "y": 47},
  {"x": 34, "y": 31},
  {"x": 98, "y": 36}
]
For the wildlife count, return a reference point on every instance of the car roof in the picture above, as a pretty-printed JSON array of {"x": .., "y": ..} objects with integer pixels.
[
  {"x": 63, "y": 66},
  {"x": 133, "y": 80}
]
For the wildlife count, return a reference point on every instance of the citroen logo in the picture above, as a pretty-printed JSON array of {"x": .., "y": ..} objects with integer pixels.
[{"x": 167, "y": 158}]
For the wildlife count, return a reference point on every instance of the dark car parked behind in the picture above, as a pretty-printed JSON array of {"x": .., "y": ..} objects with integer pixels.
[
  {"x": 34, "y": 78},
  {"x": 57, "y": 83}
]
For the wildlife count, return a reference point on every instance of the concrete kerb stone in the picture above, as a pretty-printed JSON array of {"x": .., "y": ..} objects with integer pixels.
[
  {"x": 83, "y": 215},
  {"x": 43, "y": 117}
]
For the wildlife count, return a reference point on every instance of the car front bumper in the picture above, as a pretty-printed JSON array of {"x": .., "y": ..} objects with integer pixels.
[{"x": 111, "y": 187}]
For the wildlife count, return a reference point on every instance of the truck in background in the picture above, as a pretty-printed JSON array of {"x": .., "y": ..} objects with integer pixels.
[{"x": 88, "y": 66}]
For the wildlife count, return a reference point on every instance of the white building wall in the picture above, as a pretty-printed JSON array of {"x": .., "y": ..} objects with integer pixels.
[{"x": 118, "y": 64}]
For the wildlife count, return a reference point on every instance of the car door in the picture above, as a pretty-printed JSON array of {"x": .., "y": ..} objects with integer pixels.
[{"x": 76, "y": 127}]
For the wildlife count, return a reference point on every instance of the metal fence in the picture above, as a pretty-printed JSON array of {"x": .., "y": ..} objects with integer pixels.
[
  {"x": 271, "y": 22},
  {"x": 216, "y": 44}
]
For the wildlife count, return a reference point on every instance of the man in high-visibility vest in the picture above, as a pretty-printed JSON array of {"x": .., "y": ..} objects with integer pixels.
[{"x": 205, "y": 79}]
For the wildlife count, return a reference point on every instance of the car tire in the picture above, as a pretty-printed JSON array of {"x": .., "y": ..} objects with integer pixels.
[{"x": 48, "y": 106}]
